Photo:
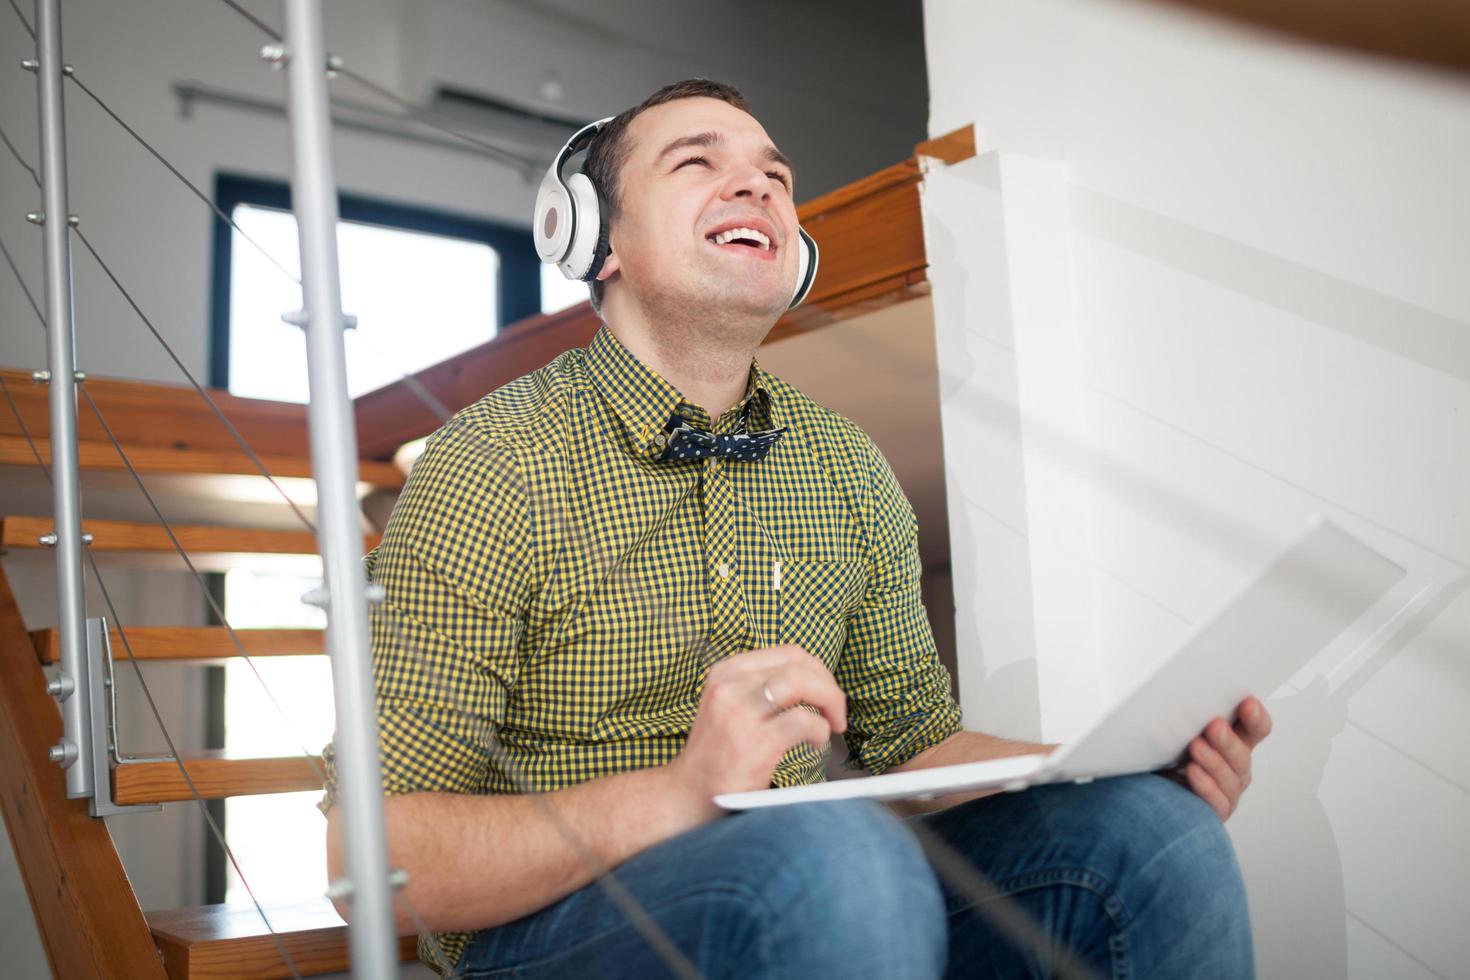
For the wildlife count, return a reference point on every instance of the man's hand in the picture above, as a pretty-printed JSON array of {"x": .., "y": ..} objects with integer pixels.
[
  {"x": 744, "y": 726},
  {"x": 1219, "y": 767}
]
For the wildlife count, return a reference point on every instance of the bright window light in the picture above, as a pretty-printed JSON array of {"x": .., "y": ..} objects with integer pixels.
[
  {"x": 418, "y": 298},
  {"x": 558, "y": 292},
  {"x": 278, "y": 840}
]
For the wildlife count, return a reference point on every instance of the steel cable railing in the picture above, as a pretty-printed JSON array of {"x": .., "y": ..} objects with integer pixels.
[
  {"x": 209, "y": 596},
  {"x": 415, "y": 112},
  {"x": 117, "y": 623},
  {"x": 963, "y": 878},
  {"x": 620, "y": 896}
]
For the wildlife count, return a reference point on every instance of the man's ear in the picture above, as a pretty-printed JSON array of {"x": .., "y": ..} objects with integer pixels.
[{"x": 610, "y": 265}]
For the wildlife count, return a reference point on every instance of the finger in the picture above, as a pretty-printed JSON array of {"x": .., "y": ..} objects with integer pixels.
[
  {"x": 1204, "y": 787},
  {"x": 1226, "y": 741},
  {"x": 764, "y": 660},
  {"x": 1253, "y": 721},
  {"x": 1215, "y": 766},
  {"x": 795, "y": 727},
  {"x": 797, "y": 684}
]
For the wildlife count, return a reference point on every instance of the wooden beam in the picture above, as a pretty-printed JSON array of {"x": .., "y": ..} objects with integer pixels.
[
  {"x": 216, "y": 775},
  {"x": 195, "y": 643},
  {"x": 220, "y": 941},
  {"x": 1432, "y": 33},
  {"x": 87, "y": 916},
  {"x": 26, "y": 532},
  {"x": 871, "y": 235},
  {"x": 394, "y": 414}
]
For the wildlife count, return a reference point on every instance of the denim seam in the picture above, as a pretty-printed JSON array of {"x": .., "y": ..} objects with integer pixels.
[
  {"x": 1112, "y": 904},
  {"x": 550, "y": 959}
]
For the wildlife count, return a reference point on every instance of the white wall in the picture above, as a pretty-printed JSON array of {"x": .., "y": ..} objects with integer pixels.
[{"x": 1198, "y": 285}]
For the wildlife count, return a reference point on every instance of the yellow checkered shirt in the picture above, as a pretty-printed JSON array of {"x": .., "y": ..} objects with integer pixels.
[{"x": 555, "y": 594}]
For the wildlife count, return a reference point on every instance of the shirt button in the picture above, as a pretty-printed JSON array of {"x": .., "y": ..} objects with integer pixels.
[{"x": 724, "y": 570}]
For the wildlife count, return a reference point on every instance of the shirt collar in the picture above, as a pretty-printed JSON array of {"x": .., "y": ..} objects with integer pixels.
[{"x": 644, "y": 402}]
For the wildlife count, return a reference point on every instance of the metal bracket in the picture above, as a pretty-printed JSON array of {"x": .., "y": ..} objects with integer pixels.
[
  {"x": 300, "y": 318},
  {"x": 102, "y": 704},
  {"x": 341, "y": 889},
  {"x": 49, "y": 540},
  {"x": 322, "y": 599}
]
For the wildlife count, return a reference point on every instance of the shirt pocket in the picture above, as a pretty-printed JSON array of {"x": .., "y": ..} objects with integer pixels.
[{"x": 817, "y": 600}]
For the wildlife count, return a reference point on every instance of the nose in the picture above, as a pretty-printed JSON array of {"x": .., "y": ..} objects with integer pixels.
[{"x": 748, "y": 181}]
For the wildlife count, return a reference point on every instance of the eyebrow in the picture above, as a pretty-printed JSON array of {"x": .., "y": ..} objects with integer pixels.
[{"x": 710, "y": 138}]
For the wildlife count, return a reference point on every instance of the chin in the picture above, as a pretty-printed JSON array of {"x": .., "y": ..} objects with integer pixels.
[{"x": 750, "y": 298}]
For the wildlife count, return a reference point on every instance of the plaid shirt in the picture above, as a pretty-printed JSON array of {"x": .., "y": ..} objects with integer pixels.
[{"x": 556, "y": 594}]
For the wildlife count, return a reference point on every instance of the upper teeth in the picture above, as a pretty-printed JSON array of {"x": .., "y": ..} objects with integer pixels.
[{"x": 731, "y": 234}]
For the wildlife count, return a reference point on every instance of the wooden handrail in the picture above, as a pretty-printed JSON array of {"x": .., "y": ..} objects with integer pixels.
[
  {"x": 1423, "y": 32},
  {"x": 871, "y": 234},
  {"x": 88, "y": 918}
]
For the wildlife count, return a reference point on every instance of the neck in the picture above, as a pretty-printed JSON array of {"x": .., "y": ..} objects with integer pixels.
[{"x": 706, "y": 357}]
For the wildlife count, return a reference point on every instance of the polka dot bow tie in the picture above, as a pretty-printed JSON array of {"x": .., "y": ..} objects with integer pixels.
[{"x": 687, "y": 442}]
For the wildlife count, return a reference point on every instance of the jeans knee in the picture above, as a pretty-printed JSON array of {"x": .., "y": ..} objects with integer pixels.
[
  {"x": 1179, "y": 869},
  {"x": 854, "y": 888}
]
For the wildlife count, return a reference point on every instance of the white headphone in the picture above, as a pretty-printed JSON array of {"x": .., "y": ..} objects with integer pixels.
[{"x": 570, "y": 223}]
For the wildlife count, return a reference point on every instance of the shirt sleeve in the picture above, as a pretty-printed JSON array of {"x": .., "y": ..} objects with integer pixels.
[
  {"x": 898, "y": 693},
  {"x": 455, "y": 565}
]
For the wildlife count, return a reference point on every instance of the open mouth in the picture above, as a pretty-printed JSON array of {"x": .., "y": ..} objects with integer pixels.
[{"x": 746, "y": 238}]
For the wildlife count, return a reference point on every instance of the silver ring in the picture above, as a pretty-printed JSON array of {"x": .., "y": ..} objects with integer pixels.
[{"x": 771, "y": 698}]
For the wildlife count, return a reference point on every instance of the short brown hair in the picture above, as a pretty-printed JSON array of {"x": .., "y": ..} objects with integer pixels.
[{"x": 610, "y": 148}]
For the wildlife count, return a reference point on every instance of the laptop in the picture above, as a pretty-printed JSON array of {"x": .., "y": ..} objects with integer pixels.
[{"x": 1283, "y": 615}]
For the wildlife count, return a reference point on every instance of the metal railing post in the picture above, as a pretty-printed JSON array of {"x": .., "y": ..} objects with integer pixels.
[
  {"x": 74, "y": 750},
  {"x": 334, "y": 463}
]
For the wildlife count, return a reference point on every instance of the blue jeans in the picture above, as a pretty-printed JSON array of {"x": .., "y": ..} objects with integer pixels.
[{"x": 1134, "y": 876}]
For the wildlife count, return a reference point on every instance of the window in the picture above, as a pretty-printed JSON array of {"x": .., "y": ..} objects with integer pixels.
[{"x": 424, "y": 287}]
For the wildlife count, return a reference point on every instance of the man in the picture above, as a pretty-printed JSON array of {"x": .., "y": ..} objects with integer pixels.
[{"x": 588, "y": 634}]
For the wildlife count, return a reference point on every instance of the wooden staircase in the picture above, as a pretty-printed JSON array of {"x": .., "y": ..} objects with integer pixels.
[{"x": 90, "y": 921}]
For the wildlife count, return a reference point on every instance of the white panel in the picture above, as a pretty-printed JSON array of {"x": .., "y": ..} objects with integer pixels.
[
  {"x": 1416, "y": 700},
  {"x": 1401, "y": 832},
  {"x": 1013, "y": 414},
  {"x": 1372, "y": 957},
  {"x": 1269, "y": 250}
]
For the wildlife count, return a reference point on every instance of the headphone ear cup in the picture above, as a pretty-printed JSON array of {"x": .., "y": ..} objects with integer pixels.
[
  {"x": 552, "y": 221},
  {"x": 588, "y": 231},
  {"x": 806, "y": 267}
]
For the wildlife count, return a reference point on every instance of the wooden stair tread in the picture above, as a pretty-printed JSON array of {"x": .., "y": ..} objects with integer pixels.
[
  {"x": 26, "y": 532},
  {"x": 216, "y": 775},
  {"x": 167, "y": 428},
  {"x": 195, "y": 643},
  {"x": 15, "y": 451},
  {"x": 232, "y": 941}
]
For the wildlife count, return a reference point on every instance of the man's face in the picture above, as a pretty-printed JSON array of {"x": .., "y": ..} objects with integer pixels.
[{"x": 699, "y": 171}]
